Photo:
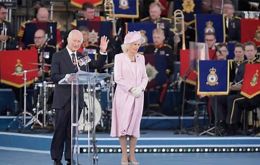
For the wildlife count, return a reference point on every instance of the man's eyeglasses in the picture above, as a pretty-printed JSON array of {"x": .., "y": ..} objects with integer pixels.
[
  {"x": 209, "y": 39},
  {"x": 40, "y": 37}
]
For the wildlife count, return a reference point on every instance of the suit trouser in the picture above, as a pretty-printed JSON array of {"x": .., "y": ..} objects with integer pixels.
[
  {"x": 234, "y": 111},
  {"x": 62, "y": 133}
]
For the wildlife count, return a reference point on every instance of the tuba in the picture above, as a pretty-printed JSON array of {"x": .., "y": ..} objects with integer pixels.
[
  {"x": 109, "y": 9},
  {"x": 3, "y": 32},
  {"x": 179, "y": 26}
]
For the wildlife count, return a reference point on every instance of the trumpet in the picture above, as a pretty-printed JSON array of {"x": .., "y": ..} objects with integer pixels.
[
  {"x": 51, "y": 9},
  {"x": 3, "y": 33},
  {"x": 179, "y": 26}
]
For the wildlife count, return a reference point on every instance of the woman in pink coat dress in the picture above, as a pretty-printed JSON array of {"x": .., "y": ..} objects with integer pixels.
[{"x": 131, "y": 79}]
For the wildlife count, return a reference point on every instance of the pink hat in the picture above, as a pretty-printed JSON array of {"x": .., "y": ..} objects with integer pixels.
[{"x": 131, "y": 37}]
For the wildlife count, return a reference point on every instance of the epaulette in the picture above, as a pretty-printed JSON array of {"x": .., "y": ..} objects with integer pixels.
[
  {"x": 6, "y": 21},
  {"x": 167, "y": 45},
  {"x": 236, "y": 17},
  {"x": 31, "y": 45},
  {"x": 166, "y": 19},
  {"x": 74, "y": 23},
  {"x": 245, "y": 62},
  {"x": 58, "y": 25},
  {"x": 145, "y": 19},
  {"x": 51, "y": 46},
  {"x": 22, "y": 28},
  {"x": 230, "y": 61},
  {"x": 25, "y": 22}
]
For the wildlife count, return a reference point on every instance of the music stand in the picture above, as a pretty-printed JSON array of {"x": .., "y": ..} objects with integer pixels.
[
  {"x": 213, "y": 83},
  {"x": 90, "y": 79}
]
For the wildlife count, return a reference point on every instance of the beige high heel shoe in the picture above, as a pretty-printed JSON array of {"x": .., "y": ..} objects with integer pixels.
[
  {"x": 133, "y": 162},
  {"x": 124, "y": 162}
]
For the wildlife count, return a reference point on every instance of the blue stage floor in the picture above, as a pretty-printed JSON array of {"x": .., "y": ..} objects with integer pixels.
[
  {"x": 155, "y": 147},
  {"x": 27, "y": 158}
]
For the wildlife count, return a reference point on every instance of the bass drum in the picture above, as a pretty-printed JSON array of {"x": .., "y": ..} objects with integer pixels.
[{"x": 84, "y": 123}]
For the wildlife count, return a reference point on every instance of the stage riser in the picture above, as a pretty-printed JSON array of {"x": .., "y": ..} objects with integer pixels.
[{"x": 174, "y": 144}]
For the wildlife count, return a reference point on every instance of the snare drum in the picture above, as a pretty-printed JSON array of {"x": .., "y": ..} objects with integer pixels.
[{"x": 84, "y": 123}]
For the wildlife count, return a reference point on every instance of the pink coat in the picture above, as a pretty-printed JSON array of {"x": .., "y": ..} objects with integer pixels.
[{"x": 127, "y": 110}]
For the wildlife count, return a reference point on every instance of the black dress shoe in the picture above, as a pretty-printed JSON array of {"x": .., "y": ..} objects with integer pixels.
[
  {"x": 57, "y": 162},
  {"x": 69, "y": 162}
]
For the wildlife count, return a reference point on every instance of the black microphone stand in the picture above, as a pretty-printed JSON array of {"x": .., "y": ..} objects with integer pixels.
[{"x": 181, "y": 114}]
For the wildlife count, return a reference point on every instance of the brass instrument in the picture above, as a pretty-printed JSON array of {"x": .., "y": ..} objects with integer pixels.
[
  {"x": 109, "y": 9},
  {"x": 4, "y": 28},
  {"x": 51, "y": 9},
  {"x": 179, "y": 26},
  {"x": 3, "y": 33}
]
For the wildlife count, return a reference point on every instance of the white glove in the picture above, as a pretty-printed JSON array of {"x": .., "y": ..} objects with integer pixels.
[{"x": 136, "y": 91}]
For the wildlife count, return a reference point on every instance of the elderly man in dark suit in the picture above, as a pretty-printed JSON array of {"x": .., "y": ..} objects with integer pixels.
[{"x": 63, "y": 64}]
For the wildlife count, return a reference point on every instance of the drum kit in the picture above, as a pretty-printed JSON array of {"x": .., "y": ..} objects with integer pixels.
[
  {"x": 99, "y": 97},
  {"x": 43, "y": 115}
]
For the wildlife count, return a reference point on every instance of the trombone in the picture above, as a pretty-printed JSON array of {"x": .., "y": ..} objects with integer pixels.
[
  {"x": 179, "y": 26},
  {"x": 109, "y": 9}
]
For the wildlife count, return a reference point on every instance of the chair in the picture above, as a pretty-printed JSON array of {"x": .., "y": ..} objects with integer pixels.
[{"x": 247, "y": 119}]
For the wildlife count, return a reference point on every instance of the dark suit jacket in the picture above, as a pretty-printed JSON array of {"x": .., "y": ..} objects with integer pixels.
[{"x": 62, "y": 65}]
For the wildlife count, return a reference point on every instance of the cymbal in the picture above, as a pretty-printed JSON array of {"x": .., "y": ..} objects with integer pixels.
[
  {"x": 110, "y": 65},
  {"x": 40, "y": 64}
]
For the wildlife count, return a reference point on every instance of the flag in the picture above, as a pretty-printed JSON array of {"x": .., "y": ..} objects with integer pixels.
[
  {"x": 250, "y": 30},
  {"x": 189, "y": 8},
  {"x": 79, "y": 3},
  {"x": 96, "y": 29},
  {"x": 31, "y": 27},
  {"x": 126, "y": 8},
  {"x": 213, "y": 77},
  {"x": 187, "y": 72},
  {"x": 210, "y": 23},
  {"x": 251, "y": 82},
  {"x": 145, "y": 28},
  {"x": 13, "y": 63}
]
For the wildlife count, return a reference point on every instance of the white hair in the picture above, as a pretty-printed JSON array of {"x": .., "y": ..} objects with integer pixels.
[
  {"x": 125, "y": 47},
  {"x": 72, "y": 32}
]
